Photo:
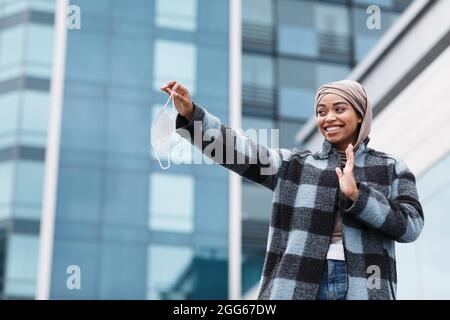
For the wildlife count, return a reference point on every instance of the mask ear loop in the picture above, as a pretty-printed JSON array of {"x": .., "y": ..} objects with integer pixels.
[{"x": 154, "y": 150}]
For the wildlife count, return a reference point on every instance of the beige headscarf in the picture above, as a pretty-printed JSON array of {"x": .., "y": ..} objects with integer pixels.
[{"x": 356, "y": 95}]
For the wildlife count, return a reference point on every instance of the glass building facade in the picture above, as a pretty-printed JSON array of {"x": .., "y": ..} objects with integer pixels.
[
  {"x": 134, "y": 230},
  {"x": 129, "y": 225},
  {"x": 26, "y": 33}
]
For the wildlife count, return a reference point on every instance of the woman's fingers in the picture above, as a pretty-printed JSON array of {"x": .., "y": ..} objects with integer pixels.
[
  {"x": 350, "y": 158},
  {"x": 168, "y": 85},
  {"x": 176, "y": 87}
]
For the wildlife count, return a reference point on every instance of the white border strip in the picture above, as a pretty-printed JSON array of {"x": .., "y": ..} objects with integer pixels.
[
  {"x": 235, "y": 187},
  {"x": 52, "y": 153}
]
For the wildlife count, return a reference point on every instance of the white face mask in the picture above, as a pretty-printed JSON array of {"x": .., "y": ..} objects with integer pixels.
[{"x": 161, "y": 132}]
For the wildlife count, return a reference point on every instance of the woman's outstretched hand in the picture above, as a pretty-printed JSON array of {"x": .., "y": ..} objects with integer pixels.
[
  {"x": 347, "y": 181},
  {"x": 181, "y": 98}
]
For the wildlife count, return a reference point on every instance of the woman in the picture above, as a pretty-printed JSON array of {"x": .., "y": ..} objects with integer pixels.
[{"x": 336, "y": 213}]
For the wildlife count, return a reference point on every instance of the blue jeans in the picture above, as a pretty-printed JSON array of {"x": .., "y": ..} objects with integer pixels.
[{"x": 333, "y": 285}]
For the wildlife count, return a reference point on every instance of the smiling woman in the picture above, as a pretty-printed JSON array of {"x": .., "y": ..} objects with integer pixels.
[
  {"x": 336, "y": 214},
  {"x": 342, "y": 109}
]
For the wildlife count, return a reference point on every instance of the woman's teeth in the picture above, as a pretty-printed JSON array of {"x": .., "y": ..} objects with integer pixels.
[{"x": 333, "y": 129}]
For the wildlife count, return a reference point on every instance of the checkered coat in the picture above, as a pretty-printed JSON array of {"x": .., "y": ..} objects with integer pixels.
[{"x": 305, "y": 194}]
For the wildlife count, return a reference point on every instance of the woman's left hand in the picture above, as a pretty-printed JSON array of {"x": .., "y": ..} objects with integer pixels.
[{"x": 347, "y": 181}]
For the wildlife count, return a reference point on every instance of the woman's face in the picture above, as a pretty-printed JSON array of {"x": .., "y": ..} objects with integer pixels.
[{"x": 338, "y": 121}]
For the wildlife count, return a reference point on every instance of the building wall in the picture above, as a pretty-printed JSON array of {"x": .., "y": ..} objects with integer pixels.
[
  {"x": 26, "y": 29},
  {"x": 135, "y": 230},
  {"x": 415, "y": 126}
]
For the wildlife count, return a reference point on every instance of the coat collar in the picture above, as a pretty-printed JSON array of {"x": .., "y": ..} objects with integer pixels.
[{"x": 328, "y": 148}]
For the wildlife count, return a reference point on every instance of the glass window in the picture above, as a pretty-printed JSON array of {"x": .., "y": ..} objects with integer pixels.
[
  {"x": 298, "y": 40},
  {"x": 384, "y": 3},
  {"x": 252, "y": 264},
  {"x": 296, "y": 73},
  {"x": 43, "y": 5},
  {"x": 12, "y": 45},
  {"x": 296, "y": 102},
  {"x": 98, "y": 7},
  {"x": 257, "y": 12},
  {"x": 365, "y": 39},
  {"x": 169, "y": 272},
  {"x": 165, "y": 213},
  {"x": 34, "y": 118},
  {"x": 333, "y": 25},
  {"x": 29, "y": 184},
  {"x": 175, "y": 60},
  {"x": 79, "y": 194},
  {"x": 39, "y": 50},
  {"x": 288, "y": 132},
  {"x": 332, "y": 19},
  {"x": 128, "y": 129},
  {"x": 363, "y": 45},
  {"x": 296, "y": 13},
  {"x": 258, "y": 70},
  {"x": 296, "y": 33},
  {"x": 7, "y": 182},
  {"x": 132, "y": 63},
  {"x": 134, "y": 11},
  {"x": 9, "y": 112},
  {"x": 329, "y": 72},
  {"x": 297, "y": 88},
  {"x": 258, "y": 82},
  {"x": 83, "y": 124},
  {"x": 123, "y": 271},
  {"x": 11, "y": 7},
  {"x": 35, "y": 111},
  {"x": 85, "y": 255},
  {"x": 177, "y": 14},
  {"x": 21, "y": 266},
  {"x": 126, "y": 198},
  {"x": 256, "y": 202},
  {"x": 88, "y": 55}
]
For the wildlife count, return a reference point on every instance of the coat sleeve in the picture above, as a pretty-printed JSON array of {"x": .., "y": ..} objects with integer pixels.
[
  {"x": 399, "y": 217},
  {"x": 231, "y": 149}
]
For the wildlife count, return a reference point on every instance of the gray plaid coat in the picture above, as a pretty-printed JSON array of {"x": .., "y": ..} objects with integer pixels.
[{"x": 306, "y": 193}]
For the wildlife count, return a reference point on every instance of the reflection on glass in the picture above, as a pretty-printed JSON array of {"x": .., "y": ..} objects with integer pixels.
[
  {"x": 258, "y": 70},
  {"x": 175, "y": 60},
  {"x": 169, "y": 272},
  {"x": 21, "y": 265},
  {"x": 257, "y": 12},
  {"x": 329, "y": 72},
  {"x": 177, "y": 14},
  {"x": 171, "y": 202}
]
